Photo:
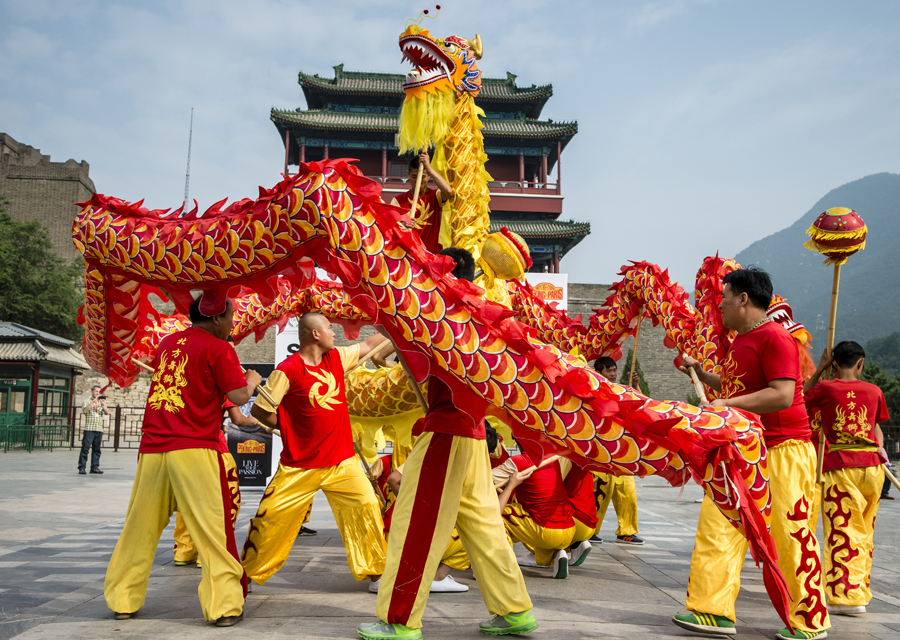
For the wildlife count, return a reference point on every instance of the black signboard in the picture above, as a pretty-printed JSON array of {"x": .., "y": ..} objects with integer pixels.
[{"x": 251, "y": 447}]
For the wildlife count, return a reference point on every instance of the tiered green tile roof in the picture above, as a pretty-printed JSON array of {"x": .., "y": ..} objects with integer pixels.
[
  {"x": 501, "y": 93},
  {"x": 543, "y": 229},
  {"x": 326, "y": 119}
]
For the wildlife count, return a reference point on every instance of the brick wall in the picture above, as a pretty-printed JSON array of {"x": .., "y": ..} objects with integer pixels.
[
  {"x": 666, "y": 382},
  {"x": 43, "y": 191}
]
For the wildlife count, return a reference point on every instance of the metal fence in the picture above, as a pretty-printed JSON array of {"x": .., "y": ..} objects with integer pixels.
[
  {"x": 121, "y": 429},
  {"x": 28, "y": 437}
]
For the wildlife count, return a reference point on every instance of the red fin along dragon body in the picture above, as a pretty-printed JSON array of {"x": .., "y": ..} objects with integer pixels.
[{"x": 330, "y": 215}]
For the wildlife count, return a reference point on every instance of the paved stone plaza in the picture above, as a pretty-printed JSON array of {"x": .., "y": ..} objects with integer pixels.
[{"x": 58, "y": 529}]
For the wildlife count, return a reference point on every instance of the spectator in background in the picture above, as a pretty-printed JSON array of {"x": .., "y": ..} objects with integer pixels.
[{"x": 94, "y": 410}]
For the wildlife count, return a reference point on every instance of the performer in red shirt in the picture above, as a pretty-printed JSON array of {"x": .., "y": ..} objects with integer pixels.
[
  {"x": 849, "y": 410},
  {"x": 428, "y": 218},
  {"x": 447, "y": 481},
  {"x": 760, "y": 374},
  {"x": 620, "y": 490},
  {"x": 317, "y": 453},
  {"x": 579, "y": 486},
  {"x": 541, "y": 515},
  {"x": 180, "y": 462}
]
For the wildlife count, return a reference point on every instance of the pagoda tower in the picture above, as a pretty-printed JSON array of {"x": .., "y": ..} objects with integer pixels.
[{"x": 356, "y": 114}]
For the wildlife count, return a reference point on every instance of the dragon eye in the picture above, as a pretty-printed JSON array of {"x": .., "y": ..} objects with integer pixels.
[{"x": 450, "y": 46}]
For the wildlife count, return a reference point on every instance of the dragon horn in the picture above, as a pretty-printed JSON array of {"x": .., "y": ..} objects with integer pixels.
[{"x": 475, "y": 46}]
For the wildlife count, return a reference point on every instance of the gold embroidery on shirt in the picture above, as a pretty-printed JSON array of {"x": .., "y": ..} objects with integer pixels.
[
  {"x": 325, "y": 398},
  {"x": 167, "y": 389},
  {"x": 731, "y": 384}
]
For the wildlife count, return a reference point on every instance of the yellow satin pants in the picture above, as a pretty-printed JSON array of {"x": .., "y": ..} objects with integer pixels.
[
  {"x": 455, "y": 555},
  {"x": 287, "y": 501},
  {"x": 850, "y": 501},
  {"x": 447, "y": 481},
  {"x": 185, "y": 550},
  {"x": 543, "y": 542},
  {"x": 719, "y": 548},
  {"x": 621, "y": 491},
  {"x": 582, "y": 531},
  {"x": 197, "y": 481}
]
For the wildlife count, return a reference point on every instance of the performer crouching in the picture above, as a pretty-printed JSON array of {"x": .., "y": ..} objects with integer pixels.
[
  {"x": 760, "y": 374},
  {"x": 180, "y": 463},
  {"x": 447, "y": 480},
  {"x": 317, "y": 454},
  {"x": 849, "y": 411},
  {"x": 540, "y": 517}
]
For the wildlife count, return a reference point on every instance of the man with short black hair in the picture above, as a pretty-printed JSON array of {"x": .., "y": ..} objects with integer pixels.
[
  {"x": 180, "y": 463},
  {"x": 94, "y": 410},
  {"x": 427, "y": 220},
  {"x": 849, "y": 410},
  {"x": 620, "y": 490},
  {"x": 761, "y": 374}
]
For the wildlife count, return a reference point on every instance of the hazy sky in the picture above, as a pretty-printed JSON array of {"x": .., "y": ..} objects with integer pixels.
[{"x": 703, "y": 125}]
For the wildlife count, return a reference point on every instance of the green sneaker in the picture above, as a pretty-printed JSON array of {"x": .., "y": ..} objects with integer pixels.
[
  {"x": 381, "y": 629},
  {"x": 705, "y": 623},
  {"x": 511, "y": 624},
  {"x": 801, "y": 635},
  {"x": 184, "y": 563}
]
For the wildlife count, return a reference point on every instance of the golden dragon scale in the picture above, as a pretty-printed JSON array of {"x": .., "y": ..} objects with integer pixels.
[{"x": 332, "y": 214}]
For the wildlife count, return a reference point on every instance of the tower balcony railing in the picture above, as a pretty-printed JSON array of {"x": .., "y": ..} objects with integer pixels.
[{"x": 496, "y": 187}]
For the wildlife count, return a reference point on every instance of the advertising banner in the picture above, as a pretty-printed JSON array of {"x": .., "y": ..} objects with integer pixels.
[{"x": 551, "y": 287}]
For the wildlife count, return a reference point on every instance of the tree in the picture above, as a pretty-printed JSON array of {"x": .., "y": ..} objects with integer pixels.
[
  {"x": 37, "y": 288},
  {"x": 889, "y": 385},
  {"x": 887, "y": 351},
  {"x": 625, "y": 378}
]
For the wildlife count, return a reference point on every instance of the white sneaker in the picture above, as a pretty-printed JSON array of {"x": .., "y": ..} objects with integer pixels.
[
  {"x": 448, "y": 585},
  {"x": 373, "y": 585},
  {"x": 527, "y": 560},
  {"x": 846, "y": 609},
  {"x": 579, "y": 553},
  {"x": 560, "y": 565}
]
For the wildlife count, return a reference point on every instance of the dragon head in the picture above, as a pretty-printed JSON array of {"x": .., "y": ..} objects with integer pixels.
[{"x": 440, "y": 64}]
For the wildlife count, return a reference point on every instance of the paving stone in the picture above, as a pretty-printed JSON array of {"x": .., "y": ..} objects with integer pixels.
[{"x": 57, "y": 535}]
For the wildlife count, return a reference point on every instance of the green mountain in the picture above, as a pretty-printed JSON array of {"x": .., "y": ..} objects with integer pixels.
[{"x": 869, "y": 299}]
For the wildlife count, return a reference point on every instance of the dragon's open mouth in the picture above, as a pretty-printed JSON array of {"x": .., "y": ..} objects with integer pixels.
[{"x": 429, "y": 62}]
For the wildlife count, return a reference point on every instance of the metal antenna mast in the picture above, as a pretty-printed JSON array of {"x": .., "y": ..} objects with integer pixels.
[{"x": 187, "y": 173}]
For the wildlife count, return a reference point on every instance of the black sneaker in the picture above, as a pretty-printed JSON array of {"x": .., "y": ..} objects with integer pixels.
[
  {"x": 229, "y": 621},
  {"x": 629, "y": 540},
  {"x": 97, "y": 471},
  {"x": 82, "y": 472},
  {"x": 887, "y": 497},
  {"x": 595, "y": 538},
  {"x": 306, "y": 531}
]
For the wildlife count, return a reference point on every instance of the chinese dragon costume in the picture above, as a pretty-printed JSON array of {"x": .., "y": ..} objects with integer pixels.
[{"x": 328, "y": 214}]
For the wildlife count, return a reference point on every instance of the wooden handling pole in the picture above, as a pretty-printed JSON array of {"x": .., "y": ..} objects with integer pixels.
[
  {"x": 890, "y": 476},
  {"x": 832, "y": 317},
  {"x": 414, "y": 203},
  {"x": 533, "y": 467},
  {"x": 698, "y": 386},
  {"x": 637, "y": 337},
  {"x": 144, "y": 366},
  {"x": 372, "y": 352},
  {"x": 412, "y": 381},
  {"x": 369, "y": 475}
]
